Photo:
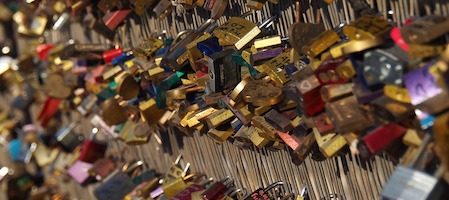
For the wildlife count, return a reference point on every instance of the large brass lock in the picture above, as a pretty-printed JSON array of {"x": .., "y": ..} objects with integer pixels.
[{"x": 236, "y": 31}]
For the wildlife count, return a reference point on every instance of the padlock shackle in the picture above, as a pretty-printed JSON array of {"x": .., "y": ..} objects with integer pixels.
[
  {"x": 272, "y": 186},
  {"x": 131, "y": 167}
]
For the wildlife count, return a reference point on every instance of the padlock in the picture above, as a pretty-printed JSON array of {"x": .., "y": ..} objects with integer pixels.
[
  {"x": 140, "y": 6},
  {"x": 388, "y": 110},
  {"x": 335, "y": 92},
  {"x": 112, "y": 112},
  {"x": 148, "y": 48},
  {"x": 219, "y": 117},
  {"x": 323, "y": 123},
  {"x": 87, "y": 105},
  {"x": 379, "y": 139},
  {"x": 272, "y": 67},
  {"x": 260, "y": 93},
  {"x": 163, "y": 8},
  {"x": 262, "y": 193},
  {"x": 334, "y": 71},
  {"x": 223, "y": 72},
  {"x": 425, "y": 94},
  {"x": 56, "y": 86},
  {"x": 102, "y": 168},
  {"x": 243, "y": 114},
  {"x": 422, "y": 51},
  {"x": 320, "y": 43},
  {"x": 309, "y": 89},
  {"x": 407, "y": 182},
  {"x": 150, "y": 111},
  {"x": 264, "y": 55},
  {"x": 425, "y": 29},
  {"x": 67, "y": 139},
  {"x": 113, "y": 19},
  {"x": 174, "y": 187},
  {"x": 258, "y": 137},
  {"x": 367, "y": 27},
  {"x": 241, "y": 138},
  {"x": 346, "y": 115},
  {"x": 93, "y": 149},
  {"x": 127, "y": 86},
  {"x": 236, "y": 31},
  {"x": 389, "y": 72},
  {"x": 35, "y": 28},
  {"x": 149, "y": 187},
  {"x": 193, "y": 191},
  {"x": 219, "y": 136},
  {"x": 277, "y": 120},
  {"x": 217, "y": 189},
  {"x": 329, "y": 144},
  {"x": 255, "y": 4},
  {"x": 176, "y": 55}
]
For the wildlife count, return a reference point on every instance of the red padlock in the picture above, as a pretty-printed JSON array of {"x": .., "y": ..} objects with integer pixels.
[
  {"x": 108, "y": 56},
  {"x": 51, "y": 106},
  {"x": 43, "y": 49}
]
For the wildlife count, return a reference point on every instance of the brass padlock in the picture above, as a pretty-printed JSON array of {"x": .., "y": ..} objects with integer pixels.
[
  {"x": 320, "y": 43},
  {"x": 150, "y": 111},
  {"x": 367, "y": 27},
  {"x": 112, "y": 112},
  {"x": 260, "y": 93},
  {"x": 236, "y": 31},
  {"x": 257, "y": 136},
  {"x": 330, "y": 143},
  {"x": 219, "y": 117},
  {"x": 127, "y": 86},
  {"x": 219, "y": 136}
]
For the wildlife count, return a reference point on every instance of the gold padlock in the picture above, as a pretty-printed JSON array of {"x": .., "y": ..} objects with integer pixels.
[
  {"x": 219, "y": 117},
  {"x": 321, "y": 43},
  {"x": 177, "y": 185},
  {"x": 256, "y": 136},
  {"x": 150, "y": 111},
  {"x": 219, "y": 136},
  {"x": 367, "y": 27},
  {"x": 236, "y": 31}
]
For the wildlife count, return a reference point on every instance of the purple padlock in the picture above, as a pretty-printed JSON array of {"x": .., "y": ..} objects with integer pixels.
[
  {"x": 421, "y": 85},
  {"x": 267, "y": 54}
]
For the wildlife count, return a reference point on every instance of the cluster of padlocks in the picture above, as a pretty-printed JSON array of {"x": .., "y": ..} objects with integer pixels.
[{"x": 366, "y": 87}]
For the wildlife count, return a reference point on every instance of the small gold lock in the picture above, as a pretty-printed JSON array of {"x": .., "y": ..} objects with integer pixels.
[
  {"x": 150, "y": 111},
  {"x": 219, "y": 117},
  {"x": 321, "y": 43},
  {"x": 127, "y": 86},
  {"x": 268, "y": 130},
  {"x": 219, "y": 136},
  {"x": 256, "y": 136},
  {"x": 236, "y": 31},
  {"x": 367, "y": 27},
  {"x": 177, "y": 185}
]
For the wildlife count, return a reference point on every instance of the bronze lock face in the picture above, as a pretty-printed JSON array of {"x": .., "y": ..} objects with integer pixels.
[
  {"x": 260, "y": 93},
  {"x": 127, "y": 86},
  {"x": 113, "y": 113}
]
